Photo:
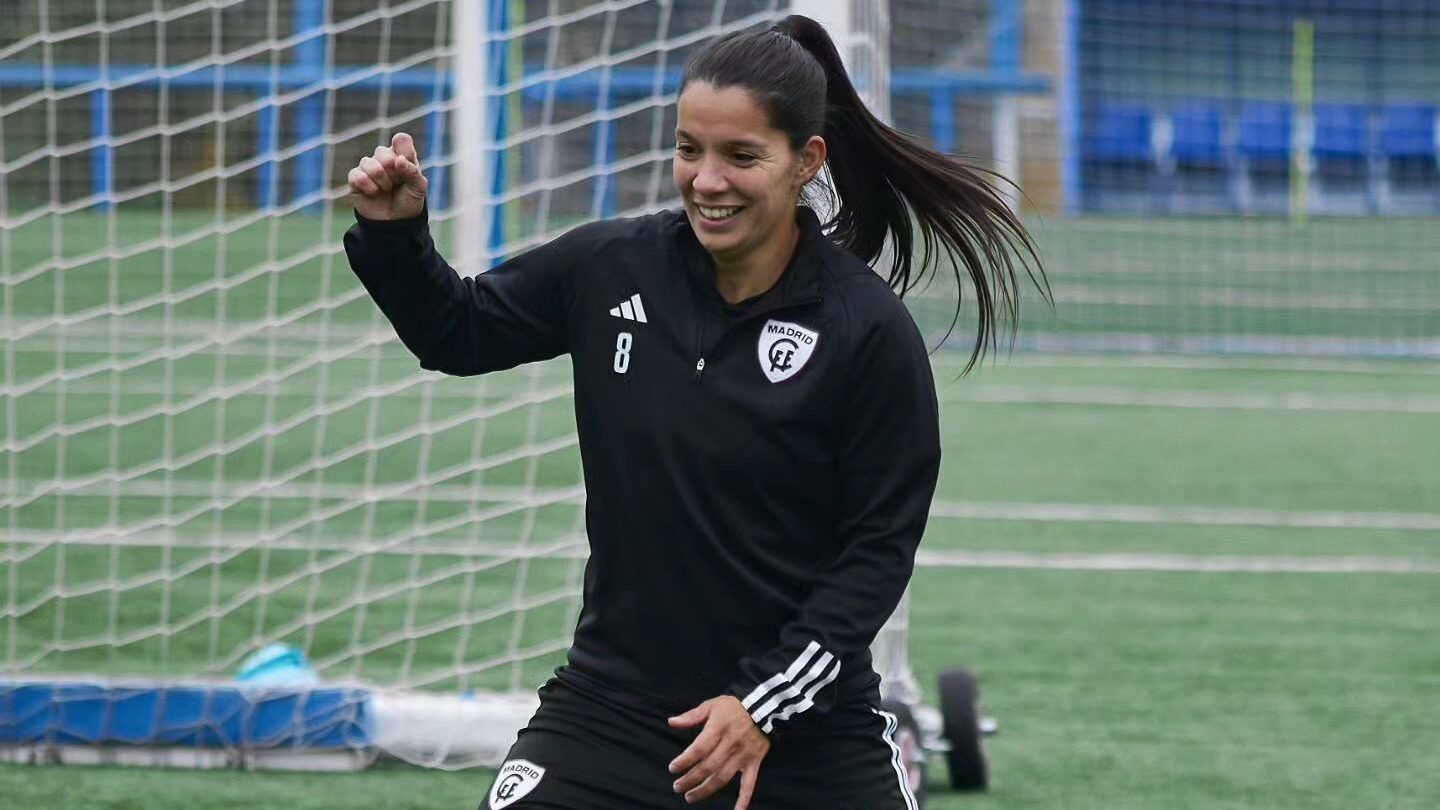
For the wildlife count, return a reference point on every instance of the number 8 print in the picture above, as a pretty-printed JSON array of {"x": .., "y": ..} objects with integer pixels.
[{"x": 623, "y": 341}]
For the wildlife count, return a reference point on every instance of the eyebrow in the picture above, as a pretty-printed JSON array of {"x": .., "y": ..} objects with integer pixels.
[{"x": 740, "y": 143}]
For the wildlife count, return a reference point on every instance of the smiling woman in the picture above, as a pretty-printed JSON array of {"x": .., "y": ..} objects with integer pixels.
[
  {"x": 758, "y": 425},
  {"x": 739, "y": 178},
  {"x": 760, "y": 114}
]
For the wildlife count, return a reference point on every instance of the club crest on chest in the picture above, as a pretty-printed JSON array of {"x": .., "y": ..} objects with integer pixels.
[
  {"x": 784, "y": 348},
  {"x": 516, "y": 778}
]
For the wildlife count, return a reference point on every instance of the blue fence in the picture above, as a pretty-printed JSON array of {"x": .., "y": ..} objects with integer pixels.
[
  {"x": 301, "y": 86},
  {"x": 940, "y": 89},
  {"x": 1195, "y": 121}
]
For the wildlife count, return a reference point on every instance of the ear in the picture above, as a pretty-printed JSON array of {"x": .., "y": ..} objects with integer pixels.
[{"x": 812, "y": 158}]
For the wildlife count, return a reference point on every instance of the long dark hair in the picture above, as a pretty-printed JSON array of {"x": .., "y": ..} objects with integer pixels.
[{"x": 881, "y": 175}]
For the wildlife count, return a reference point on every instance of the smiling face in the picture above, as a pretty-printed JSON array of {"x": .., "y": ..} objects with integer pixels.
[{"x": 738, "y": 175}]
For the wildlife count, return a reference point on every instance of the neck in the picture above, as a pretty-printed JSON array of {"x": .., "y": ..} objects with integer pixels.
[{"x": 740, "y": 278}]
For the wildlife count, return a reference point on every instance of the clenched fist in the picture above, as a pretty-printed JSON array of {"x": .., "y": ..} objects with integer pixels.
[{"x": 389, "y": 185}]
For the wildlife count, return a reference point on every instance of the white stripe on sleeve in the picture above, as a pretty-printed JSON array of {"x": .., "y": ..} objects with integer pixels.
[
  {"x": 812, "y": 673},
  {"x": 807, "y": 702},
  {"x": 781, "y": 677}
]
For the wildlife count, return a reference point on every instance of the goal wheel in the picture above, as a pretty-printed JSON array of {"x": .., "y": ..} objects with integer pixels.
[{"x": 960, "y": 710}]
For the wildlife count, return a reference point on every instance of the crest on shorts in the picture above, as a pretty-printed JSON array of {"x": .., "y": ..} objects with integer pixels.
[
  {"x": 784, "y": 349},
  {"x": 517, "y": 777}
]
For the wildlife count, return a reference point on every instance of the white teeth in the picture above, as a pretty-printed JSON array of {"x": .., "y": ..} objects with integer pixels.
[{"x": 718, "y": 213}]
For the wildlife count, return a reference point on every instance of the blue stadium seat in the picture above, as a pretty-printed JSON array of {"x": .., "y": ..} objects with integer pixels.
[
  {"x": 1411, "y": 176},
  {"x": 1264, "y": 132},
  {"x": 1199, "y": 178},
  {"x": 1119, "y": 133},
  {"x": 1342, "y": 180},
  {"x": 1199, "y": 135},
  {"x": 1407, "y": 131},
  {"x": 1262, "y": 140},
  {"x": 1341, "y": 131},
  {"x": 1118, "y": 159}
]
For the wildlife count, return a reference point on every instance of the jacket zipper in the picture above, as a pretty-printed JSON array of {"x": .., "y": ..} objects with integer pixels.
[{"x": 700, "y": 346}]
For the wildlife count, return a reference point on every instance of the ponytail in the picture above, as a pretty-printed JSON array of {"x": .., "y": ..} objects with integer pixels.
[{"x": 883, "y": 177}]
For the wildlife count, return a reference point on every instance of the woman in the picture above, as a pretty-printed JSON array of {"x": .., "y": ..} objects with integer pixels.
[{"x": 757, "y": 422}]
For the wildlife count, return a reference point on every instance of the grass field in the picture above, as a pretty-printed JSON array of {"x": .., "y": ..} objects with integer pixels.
[
  {"x": 1185, "y": 581},
  {"x": 1114, "y": 688}
]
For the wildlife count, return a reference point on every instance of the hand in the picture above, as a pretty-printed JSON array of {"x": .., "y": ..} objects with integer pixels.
[
  {"x": 730, "y": 743},
  {"x": 389, "y": 185}
]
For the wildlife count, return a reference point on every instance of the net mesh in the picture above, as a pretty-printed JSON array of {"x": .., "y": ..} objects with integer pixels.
[{"x": 213, "y": 440}]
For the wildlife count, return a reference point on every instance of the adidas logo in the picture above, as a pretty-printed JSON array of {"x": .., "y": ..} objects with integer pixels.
[{"x": 631, "y": 310}]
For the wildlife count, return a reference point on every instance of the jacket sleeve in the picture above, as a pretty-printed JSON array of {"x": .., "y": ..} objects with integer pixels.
[
  {"x": 515, "y": 313},
  {"x": 889, "y": 460}
]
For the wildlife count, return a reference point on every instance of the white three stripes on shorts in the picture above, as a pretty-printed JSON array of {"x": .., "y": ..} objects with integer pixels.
[
  {"x": 794, "y": 690},
  {"x": 891, "y": 724}
]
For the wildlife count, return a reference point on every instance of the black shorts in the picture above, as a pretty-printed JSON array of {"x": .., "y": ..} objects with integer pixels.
[{"x": 582, "y": 753}]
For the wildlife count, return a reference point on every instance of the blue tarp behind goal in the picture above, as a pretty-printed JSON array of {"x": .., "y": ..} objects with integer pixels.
[{"x": 195, "y": 715}]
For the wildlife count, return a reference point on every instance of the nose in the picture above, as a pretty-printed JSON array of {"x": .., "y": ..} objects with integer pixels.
[{"x": 710, "y": 177}]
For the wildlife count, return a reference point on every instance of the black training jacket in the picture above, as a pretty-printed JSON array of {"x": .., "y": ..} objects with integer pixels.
[{"x": 757, "y": 476}]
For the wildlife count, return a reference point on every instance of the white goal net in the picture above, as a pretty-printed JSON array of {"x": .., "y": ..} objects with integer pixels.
[{"x": 214, "y": 443}]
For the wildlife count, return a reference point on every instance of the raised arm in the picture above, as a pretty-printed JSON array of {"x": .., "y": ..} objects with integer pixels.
[{"x": 513, "y": 314}]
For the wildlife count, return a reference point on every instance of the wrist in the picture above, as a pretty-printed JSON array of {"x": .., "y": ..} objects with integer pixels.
[{"x": 420, "y": 218}]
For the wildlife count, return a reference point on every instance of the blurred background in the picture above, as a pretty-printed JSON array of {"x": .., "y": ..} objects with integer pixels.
[{"x": 1188, "y": 528}]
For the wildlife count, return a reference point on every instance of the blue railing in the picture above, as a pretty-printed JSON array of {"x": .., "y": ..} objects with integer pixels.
[
  {"x": 304, "y": 81},
  {"x": 941, "y": 89}
]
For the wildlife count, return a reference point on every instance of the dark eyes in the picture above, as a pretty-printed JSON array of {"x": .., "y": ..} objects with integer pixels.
[{"x": 687, "y": 151}]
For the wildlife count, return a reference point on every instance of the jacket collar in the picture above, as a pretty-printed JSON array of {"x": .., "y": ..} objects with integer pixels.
[{"x": 800, "y": 280}]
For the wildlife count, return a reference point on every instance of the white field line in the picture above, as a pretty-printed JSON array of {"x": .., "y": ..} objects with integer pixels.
[
  {"x": 436, "y": 390},
  {"x": 1185, "y": 515},
  {"x": 1216, "y": 268},
  {"x": 125, "y": 346},
  {"x": 221, "y": 332},
  {"x": 1204, "y": 228},
  {"x": 566, "y": 546},
  {"x": 1140, "y": 350},
  {"x": 1236, "y": 298},
  {"x": 985, "y": 393},
  {"x": 1226, "y": 344},
  {"x": 1189, "y": 563},
  {"x": 225, "y": 492},
  {"x": 384, "y": 342},
  {"x": 1227, "y": 400},
  {"x": 1182, "y": 362},
  {"x": 425, "y": 387},
  {"x": 573, "y": 547},
  {"x": 231, "y": 336}
]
